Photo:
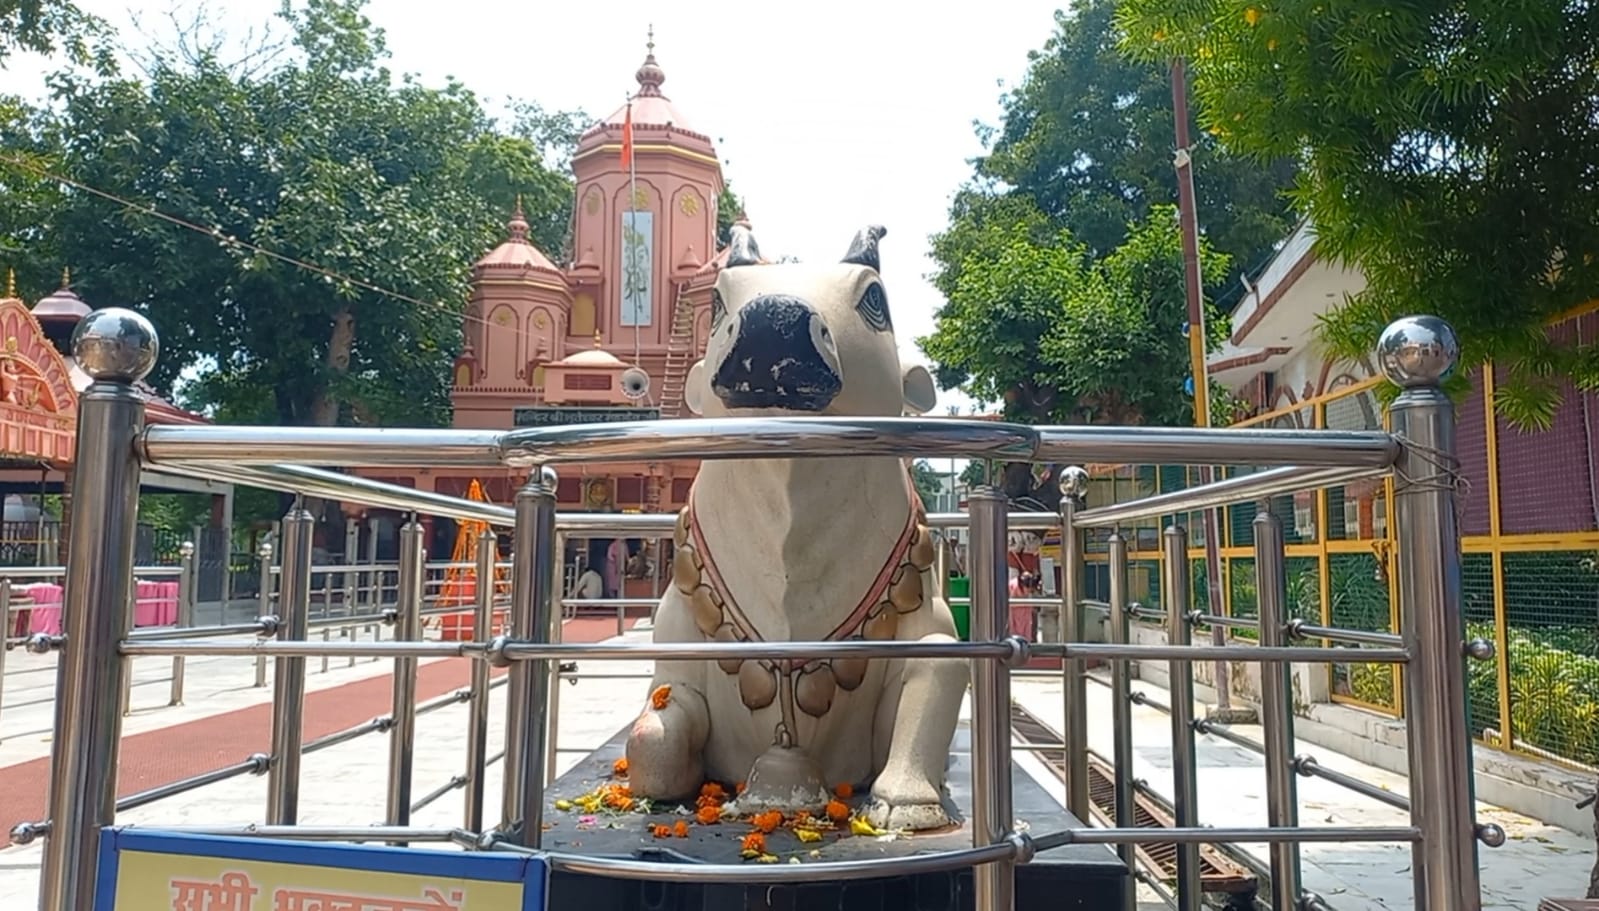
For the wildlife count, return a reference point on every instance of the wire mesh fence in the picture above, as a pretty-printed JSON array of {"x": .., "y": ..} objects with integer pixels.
[{"x": 1529, "y": 514}]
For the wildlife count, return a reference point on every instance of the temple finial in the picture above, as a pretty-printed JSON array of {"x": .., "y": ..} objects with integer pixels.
[
  {"x": 649, "y": 43},
  {"x": 596, "y": 338},
  {"x": 66, "y": 276},
  {"x": 11, "y": 283}
]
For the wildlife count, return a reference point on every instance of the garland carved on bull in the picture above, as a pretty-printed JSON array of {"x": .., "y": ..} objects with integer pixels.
[{"x": 777, "y": 549}]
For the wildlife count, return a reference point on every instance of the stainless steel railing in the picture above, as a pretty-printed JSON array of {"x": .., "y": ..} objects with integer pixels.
[{"x": 117, "y": 348}]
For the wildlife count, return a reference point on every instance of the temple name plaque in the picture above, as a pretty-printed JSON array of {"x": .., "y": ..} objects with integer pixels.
[
  {"x": 147, "y": 869},
  {"x": 557, "y": 415}
]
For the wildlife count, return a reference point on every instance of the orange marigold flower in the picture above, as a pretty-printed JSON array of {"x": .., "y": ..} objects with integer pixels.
[
  {"x": 662, "y": 697},
  {"x": 754, "y": 843},
  {"x": 661, "y": 831},
  {"x": 713, "y": 790},
  {"x": 768, "y": 821},
  {"x": 680, "y": 829},
  {"x": 844, "y": 791},
  {"x": 708, "y": 814},
  {"x": 619, "y": 768},
  {"x": 837, "y": 810}
]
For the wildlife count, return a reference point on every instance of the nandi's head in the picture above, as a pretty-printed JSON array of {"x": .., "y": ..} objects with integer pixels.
[{"x": 811, "y": 339}]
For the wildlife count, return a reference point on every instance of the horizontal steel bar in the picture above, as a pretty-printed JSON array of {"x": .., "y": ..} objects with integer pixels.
[
  {"x": 1205, "y": 835},
  {"x": 766, "y": 874},
  {"x": 641, "y": 524},
  {"x": 1016, "y": 521},
  {"x": 771, "y": 438},
  {"x": 346, "y": 487},
  {"x": 1339, "y": 634},
  {"x": 163, "y": 634},
  {"x": 769, "y": 651},
  {"x": 1084, "y": 445},
  {"x": 1310, "y": 768},
  {"x": 1257, "y": 486},
  {"x": 273, "y": 647},
  {"x": 232, "y": 444},
  {"x": 255, "y": 764},
  {"x": 53, "y": 572},
  {"x": 1307, "y": 655},
  {"x": 609, "y": 602},
  {"x": 317, "y": 833},
  {"x": 1223, "y": 732}
]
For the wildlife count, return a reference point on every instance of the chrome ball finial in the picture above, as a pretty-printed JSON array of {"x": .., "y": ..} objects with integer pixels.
[
  {"x": 1073, "y": 482},
  {"x": 115, "y": 345},
  {"x": 1417, "y": 351}
]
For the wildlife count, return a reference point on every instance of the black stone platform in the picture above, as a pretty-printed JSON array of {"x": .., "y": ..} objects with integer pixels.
[{"x": 1075, "y": 876}]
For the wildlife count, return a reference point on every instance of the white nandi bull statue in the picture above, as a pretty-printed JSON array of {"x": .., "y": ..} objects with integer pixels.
[{"x": 773, "y": 550}]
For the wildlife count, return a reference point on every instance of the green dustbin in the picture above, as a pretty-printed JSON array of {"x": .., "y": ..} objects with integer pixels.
[{"x": 960, "y": 593}]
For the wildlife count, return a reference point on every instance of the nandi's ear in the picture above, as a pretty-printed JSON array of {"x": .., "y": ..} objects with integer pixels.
[
  {"x": 745, "y": 251},
  {"x": 694, "y": 388},
  {"x": 863, "y": 249},
  {"x": 921, "y": 396}
]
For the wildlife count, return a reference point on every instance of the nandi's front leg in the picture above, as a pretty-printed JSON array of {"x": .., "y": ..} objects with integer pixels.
[
  {"x": 666, "y": 748},
  {"x": 917, "y": 716}
]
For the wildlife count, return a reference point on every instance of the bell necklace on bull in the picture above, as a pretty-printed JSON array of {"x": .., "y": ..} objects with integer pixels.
[{"x": 773, "y": 352}]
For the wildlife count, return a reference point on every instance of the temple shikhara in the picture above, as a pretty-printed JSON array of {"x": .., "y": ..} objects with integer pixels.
[{"x": 607, "y": 337}]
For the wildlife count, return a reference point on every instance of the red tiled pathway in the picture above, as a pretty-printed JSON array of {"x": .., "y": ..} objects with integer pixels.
[{"x": 165, "y": 755}]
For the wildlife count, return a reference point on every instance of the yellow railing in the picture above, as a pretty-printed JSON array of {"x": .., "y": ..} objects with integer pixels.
[{"x": 1540, "y": 695}]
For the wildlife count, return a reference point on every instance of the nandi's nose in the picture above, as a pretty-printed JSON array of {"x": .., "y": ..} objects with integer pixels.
[{"x": 782, "y": 356}]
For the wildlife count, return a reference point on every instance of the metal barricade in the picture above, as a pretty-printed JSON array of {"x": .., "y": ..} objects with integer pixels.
[{"x": 117, "y": 348}]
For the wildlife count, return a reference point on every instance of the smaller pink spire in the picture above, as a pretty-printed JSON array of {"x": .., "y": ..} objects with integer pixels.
[
  {"x": 518, "y": 225},
  {"x": 650, "y": 76}
]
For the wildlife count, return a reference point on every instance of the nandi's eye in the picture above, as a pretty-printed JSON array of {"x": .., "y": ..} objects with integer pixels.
[
  {"x": 873, "y": 307},
  {"x": 718, "y": 309}
]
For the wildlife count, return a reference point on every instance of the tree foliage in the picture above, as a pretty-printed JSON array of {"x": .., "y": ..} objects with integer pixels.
[
  {"x": 1034, "y": 320},
  {"x": 929, "y": 483},
  {"x": 1087, "y": 137},
  {"x": 1450, "y": 151},
  {"x": 1061, "y": 265},
  {"x": 53, "y": 26},
  {"x": 325, "y": 158}
]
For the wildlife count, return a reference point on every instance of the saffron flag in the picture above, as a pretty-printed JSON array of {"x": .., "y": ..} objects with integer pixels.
[{"x": 627, "y": 138}]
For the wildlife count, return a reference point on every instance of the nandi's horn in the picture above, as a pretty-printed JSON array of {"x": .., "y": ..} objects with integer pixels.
[{"x": 863, "y": 249}]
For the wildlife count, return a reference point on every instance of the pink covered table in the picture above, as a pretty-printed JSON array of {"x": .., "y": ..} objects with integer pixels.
[
  {"x": 45, "y": 614},
  {"x": 155, "y": 604}
]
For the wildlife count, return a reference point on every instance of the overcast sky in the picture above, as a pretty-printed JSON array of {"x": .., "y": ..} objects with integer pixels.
[{"x": 828, "y": 115}]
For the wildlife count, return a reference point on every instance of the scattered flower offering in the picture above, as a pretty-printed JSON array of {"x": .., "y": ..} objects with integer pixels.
[{"x": 662, "y": 697}]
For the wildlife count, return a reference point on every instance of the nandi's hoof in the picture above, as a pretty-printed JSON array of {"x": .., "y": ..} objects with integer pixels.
[{"x": 906, "y": 804}]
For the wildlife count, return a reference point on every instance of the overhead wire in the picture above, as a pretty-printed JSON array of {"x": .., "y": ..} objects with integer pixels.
[{"x": 227, "y": 239}]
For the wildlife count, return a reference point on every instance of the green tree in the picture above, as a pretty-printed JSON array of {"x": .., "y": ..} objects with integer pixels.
[
  {"x": 1036, "y": 322},
  {"x": 729, "y": 209},
  {"x": 53, "y": 26},
  {"x": 326, "y": 158},
  {"x": 1088, "y": 137},
  {"x": 929, "y": 483},
  {"x": 1448, "y": 151}
]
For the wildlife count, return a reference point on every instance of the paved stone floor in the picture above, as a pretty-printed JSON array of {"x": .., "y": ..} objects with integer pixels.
[{"x": 345, "y": 784}]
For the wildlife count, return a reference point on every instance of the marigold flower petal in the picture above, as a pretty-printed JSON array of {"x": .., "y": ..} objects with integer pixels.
[
  {"x": 844, "y": 791},
  {"x": 680, "y": 829},
  {"x": 837, "y": 810},
  {"x": 662, "y": 697},
  {"x": 619, "y": 768}
]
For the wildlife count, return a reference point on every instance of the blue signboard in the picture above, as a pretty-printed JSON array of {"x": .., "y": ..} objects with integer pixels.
[{"x": 151, "y": 870}]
